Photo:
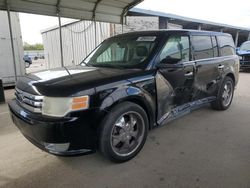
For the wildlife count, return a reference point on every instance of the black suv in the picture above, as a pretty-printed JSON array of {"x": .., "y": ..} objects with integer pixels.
[{"x": 128, "y": 85}]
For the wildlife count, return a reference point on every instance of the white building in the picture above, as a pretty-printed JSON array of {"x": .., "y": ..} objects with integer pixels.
[
  {"x": 80, "y": 38},
  {"x": 6, "y": 59}
]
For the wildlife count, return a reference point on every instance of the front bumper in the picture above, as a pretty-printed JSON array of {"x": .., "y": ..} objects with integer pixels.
[
  {"x": 61, "y": 136},
  {"x": 244, "y": 64}
]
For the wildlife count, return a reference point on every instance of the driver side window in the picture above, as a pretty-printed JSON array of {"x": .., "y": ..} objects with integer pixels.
[{"x": 176, "y": 47}]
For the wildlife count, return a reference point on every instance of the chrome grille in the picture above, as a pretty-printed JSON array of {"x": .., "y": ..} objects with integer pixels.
[
  {"x": 246, "y": 58},
  {"x": 30, "y": 102}
]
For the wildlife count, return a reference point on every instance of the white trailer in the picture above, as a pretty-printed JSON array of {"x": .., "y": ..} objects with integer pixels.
[{"x": 7, "y": 73}]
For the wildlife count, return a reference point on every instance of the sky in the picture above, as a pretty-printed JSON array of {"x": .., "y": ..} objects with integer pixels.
[{"x": 235, "y": 13}]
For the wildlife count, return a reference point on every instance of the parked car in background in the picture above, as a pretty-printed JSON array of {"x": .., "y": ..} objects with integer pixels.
[
  {"x": 244, "y": 53},
  {"x": 28, "y": 61},
  {"x": 128, "y": 85}
]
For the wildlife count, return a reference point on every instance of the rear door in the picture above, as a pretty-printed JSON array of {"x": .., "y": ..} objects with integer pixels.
[{"x": 205, "y": 55}]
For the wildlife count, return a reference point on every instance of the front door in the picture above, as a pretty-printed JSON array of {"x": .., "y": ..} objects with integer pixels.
[{"x": 175, "y": 75}]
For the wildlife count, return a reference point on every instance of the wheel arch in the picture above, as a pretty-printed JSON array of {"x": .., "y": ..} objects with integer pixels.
[
  {"x": 146, "y": 107},
  {"x": 231, "y": 75},
  {"x": 139, "y": 100}
]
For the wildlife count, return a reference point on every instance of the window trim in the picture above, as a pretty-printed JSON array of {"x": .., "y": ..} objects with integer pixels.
[{"x": 217, "y": 45}]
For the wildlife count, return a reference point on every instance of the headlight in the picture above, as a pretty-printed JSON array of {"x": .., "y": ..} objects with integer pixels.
[
  {"x": 60, "y": 106},
  {"x": 240, "y": 58}
]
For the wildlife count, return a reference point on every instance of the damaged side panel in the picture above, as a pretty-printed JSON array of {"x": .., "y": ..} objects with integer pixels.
[
  {"x": 167, "y": 109},
  {"x": 165, "y": 96}
]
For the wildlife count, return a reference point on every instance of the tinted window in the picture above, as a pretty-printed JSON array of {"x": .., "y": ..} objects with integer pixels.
[
  {"x": 215, "y": 47},
  {"x": 226, "y": 45},
  {"x": 203, "y": 48},
  {"x": 176, "y": 47}
]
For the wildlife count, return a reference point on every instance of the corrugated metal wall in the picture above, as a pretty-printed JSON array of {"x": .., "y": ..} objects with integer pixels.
[
  {"x": 79, "y": 38},
  {"x": 78, "y": 41},
  {"x": 6, "y": 60}
]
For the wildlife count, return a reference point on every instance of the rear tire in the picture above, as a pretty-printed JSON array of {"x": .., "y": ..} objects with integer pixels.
[
  {"x": 225, "y": 95},
  {"x": 124, "y": 131}
]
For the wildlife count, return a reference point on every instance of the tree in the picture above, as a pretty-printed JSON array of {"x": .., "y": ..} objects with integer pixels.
[{"x": 29, "y": 47}]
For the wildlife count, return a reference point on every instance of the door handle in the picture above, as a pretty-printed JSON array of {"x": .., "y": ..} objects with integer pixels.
[
  {"x": 189, "y": 74},
  {"x": 221, "y": 67}
]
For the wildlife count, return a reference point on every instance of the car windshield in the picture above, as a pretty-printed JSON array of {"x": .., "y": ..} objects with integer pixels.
[
  {"x": 245, "y": 46},
  {"x": 122, "y": 52}
]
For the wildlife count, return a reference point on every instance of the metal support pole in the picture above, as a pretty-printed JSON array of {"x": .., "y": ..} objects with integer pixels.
[
  {"x": 60, "y": 33},
  {"x": 236, "y": 38},
  {"x": 122, "y": 23},
  {"x": 167, "y": 24},
  {"x": 95, "y": 33},
  {"x": 163, "y": 23},
  {"x": 199, "y": 27},
  {"x": 248, "y": 38},
  {"x": 72, "y": 46},
  {"x": 11, "y": 40}
]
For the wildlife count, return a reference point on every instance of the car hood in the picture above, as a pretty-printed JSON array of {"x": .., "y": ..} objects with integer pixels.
[
  {"x": 243, "y": 52},
  {"x": 68, "y": 81}
]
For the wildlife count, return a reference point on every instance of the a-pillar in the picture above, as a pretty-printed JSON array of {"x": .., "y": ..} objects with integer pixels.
[{"x": 199, "y": 27}]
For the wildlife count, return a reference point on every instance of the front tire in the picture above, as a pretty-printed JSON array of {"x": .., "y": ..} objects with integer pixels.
[
  {"x": 124, "y": 132},
  {"x": 27, "y": 64},
  {"x": 225, "y": 95}
]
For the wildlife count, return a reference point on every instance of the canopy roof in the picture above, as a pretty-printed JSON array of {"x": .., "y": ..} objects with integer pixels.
[{"x": 99, "y": 10}]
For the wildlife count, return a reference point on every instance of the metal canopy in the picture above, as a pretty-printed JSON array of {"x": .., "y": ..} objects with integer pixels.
[{"x": 98, "y": 10}]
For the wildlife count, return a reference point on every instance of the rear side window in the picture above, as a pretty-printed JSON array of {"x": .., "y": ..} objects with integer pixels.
[
  {"x": 202, "y": 47},
  {"x": 226, "y": 45}
]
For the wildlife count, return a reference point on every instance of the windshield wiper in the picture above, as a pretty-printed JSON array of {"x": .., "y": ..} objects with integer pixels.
[
  {"x": 86, "y": 64},
  {"x": 106, "y": 65}
]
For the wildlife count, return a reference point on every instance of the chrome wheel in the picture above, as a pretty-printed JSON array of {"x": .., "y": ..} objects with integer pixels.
[
  {"x": 227, "y": 93},
  {"x": 127, "y": 133}
]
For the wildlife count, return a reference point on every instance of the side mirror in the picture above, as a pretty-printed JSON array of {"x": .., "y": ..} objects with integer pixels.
[
  {"x": 170, "y": 66},
  {"x": 170, "y": 60}
]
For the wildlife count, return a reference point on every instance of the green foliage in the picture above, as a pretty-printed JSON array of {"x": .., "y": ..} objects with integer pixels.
[{"x": 29, "y": 47}]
